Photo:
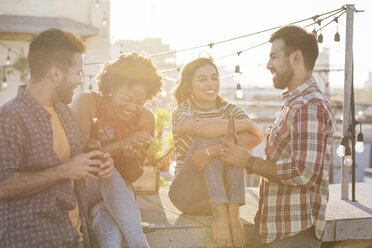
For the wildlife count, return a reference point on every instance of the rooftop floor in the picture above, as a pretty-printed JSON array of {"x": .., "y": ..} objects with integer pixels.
[{"x": 169, "y": 228}]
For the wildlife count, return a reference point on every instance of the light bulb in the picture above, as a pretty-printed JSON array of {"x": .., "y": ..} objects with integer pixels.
[
  {"x": 341, "y": 148},
  {"x": 359, "y": 146},
  {"x": 348, "y": 161},
  {"x": 239, "y": 92},
  {"x": 103, "y": 21},
  {"x": 7, "y": 60},
  {"x": 337, "y": 37},
  {"x": 340, "y": 151},
  {"x": 97, "y": 4},
  {"x": 320, "y": 38}
]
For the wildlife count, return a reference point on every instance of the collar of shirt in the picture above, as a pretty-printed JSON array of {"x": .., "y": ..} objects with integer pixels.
[
  {"x": 36, "y": 108},
  {"x": 288, "y": 96}
]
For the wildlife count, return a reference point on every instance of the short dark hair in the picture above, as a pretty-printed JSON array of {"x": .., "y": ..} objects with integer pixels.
[
  {"x": 184, "y": 85},
  {"x": 53, "y": 47},
  {"x": 297, "y": 38},
  {"x": 130, "y": 69}
]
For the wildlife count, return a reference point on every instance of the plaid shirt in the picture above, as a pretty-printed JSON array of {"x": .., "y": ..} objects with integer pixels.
[
  {"x": 301, "y": 142},
  {"x": 26, "y": 145}
]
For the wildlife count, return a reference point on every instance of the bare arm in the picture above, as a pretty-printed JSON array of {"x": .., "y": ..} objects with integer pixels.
[
  {"x": 214, "y": 128},
  {"x": 266, "y": 169}
]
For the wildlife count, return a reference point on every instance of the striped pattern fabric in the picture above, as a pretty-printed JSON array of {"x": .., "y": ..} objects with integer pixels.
[
  {"x": 301, "y": 141},
  {"x": 182, "y": 142}
]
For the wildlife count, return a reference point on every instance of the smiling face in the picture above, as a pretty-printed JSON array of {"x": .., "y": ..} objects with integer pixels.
[
  {"x": 126, "y": 102},
  {"x": 279, "y": 65},
  {"x": 71, "y": 79},
  {"x": 205, "y": 85}
]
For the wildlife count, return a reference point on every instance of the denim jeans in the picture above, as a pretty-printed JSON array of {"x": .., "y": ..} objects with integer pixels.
[
  {"x": 114, "y": 212},
  {"x": 198, "y": 192}
]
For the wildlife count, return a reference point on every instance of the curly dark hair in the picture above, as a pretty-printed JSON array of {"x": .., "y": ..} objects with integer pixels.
[{"x": 130, "y": 69}]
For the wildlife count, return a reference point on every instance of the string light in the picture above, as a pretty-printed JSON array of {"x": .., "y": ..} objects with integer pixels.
[
  {"x": 212, "y": 44},
  {"x": 359, "y": 146},
  {"x": 320, "y": 37},
  {"x": 341, "y": 148},
  {"x": 104, "y": 21},
  {"x": 251, "y": 34},
  {"x": 239, "y": 92},
  {"x": 4, "y": 84},
  {"x": 314, "y": 31},
  {"x": 337, "y": 35},
  {"x": 237, "y": 69},
  {"x": 97, "y": 3},
  {"x": 8, "y": 57},
  {"x": 348, "y": 161}
]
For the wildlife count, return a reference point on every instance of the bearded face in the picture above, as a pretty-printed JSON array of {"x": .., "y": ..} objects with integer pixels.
[
  {"x": 279, "y": 65},
  {"x": 72, "y": 77}
]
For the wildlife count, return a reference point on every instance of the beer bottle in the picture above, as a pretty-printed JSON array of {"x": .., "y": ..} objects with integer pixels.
[
  {"x": 230, "y": 133},
  {"x": 93, "y": 143}
]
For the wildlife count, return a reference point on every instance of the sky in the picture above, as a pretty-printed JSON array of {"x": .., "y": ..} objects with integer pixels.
[{"x": 183, "y": 24}]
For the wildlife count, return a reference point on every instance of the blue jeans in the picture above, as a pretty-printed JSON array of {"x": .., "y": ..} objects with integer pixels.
[
  {"x": 115, "y": 213},
  {"x": 198, "y": 192}
]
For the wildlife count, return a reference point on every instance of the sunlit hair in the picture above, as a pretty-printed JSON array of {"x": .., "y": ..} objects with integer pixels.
[
  {"x": 297, "y": 38},
  {"x": 53, "y": 47},
  {"x": 184, "y": 85},
  {"x": 130, "y": 69}
]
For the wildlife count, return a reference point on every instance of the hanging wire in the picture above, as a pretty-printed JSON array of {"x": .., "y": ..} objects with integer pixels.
[
  {"x": 331, "y": 21},
  {"x": 210, "y": 45},
  {"x": 11, "y": 50},
  {"x": 243, "y": 36}
]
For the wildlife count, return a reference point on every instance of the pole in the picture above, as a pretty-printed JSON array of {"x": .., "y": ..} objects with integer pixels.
[
  {"x": 347, "y": 93},
  {"x": 353, "y": 136}
]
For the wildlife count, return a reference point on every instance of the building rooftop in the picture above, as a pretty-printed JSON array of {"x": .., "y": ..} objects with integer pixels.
[{"x": 36, "y": 24}]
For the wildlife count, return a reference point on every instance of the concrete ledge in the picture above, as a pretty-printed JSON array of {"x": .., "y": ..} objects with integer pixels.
[{"x": 168, "y": 227}]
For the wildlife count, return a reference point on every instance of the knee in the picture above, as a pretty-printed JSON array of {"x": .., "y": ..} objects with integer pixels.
[{"x": 176, "y": 199}]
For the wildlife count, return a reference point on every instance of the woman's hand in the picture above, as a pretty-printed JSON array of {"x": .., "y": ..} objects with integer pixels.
[
  {"x": 140, "y": 139},
  {"x": 136, "y": 154},
  {"x": 234, "y": 155},
  {"x": 200, "y": 158}
]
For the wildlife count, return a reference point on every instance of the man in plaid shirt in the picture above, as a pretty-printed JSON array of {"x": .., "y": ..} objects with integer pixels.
[{"x": 293, "y": 190}]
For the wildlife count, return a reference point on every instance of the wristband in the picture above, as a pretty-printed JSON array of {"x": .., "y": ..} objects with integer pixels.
[{"x": 250, "y": 163}]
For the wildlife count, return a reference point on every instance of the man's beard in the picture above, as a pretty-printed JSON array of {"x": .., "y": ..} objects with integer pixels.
[
  {"x": 64, "y": 92},
  {"x": 281, "y": 79}
]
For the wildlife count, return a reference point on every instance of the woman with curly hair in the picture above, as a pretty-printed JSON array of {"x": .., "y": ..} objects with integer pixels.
[{"x": 125, "y": 130}]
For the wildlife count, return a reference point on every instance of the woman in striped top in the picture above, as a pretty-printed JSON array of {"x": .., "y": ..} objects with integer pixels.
[{"x": 202, "y": 184}]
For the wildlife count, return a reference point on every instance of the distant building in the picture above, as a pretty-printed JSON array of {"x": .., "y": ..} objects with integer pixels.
[{"x": 20, "y": 21}]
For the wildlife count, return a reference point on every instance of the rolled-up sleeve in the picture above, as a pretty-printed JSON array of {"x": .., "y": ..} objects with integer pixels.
[
  {"x": 308, "y": 140},
  {"x": 178, "y": 116},
  {"x": 11, "y": 148}
]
